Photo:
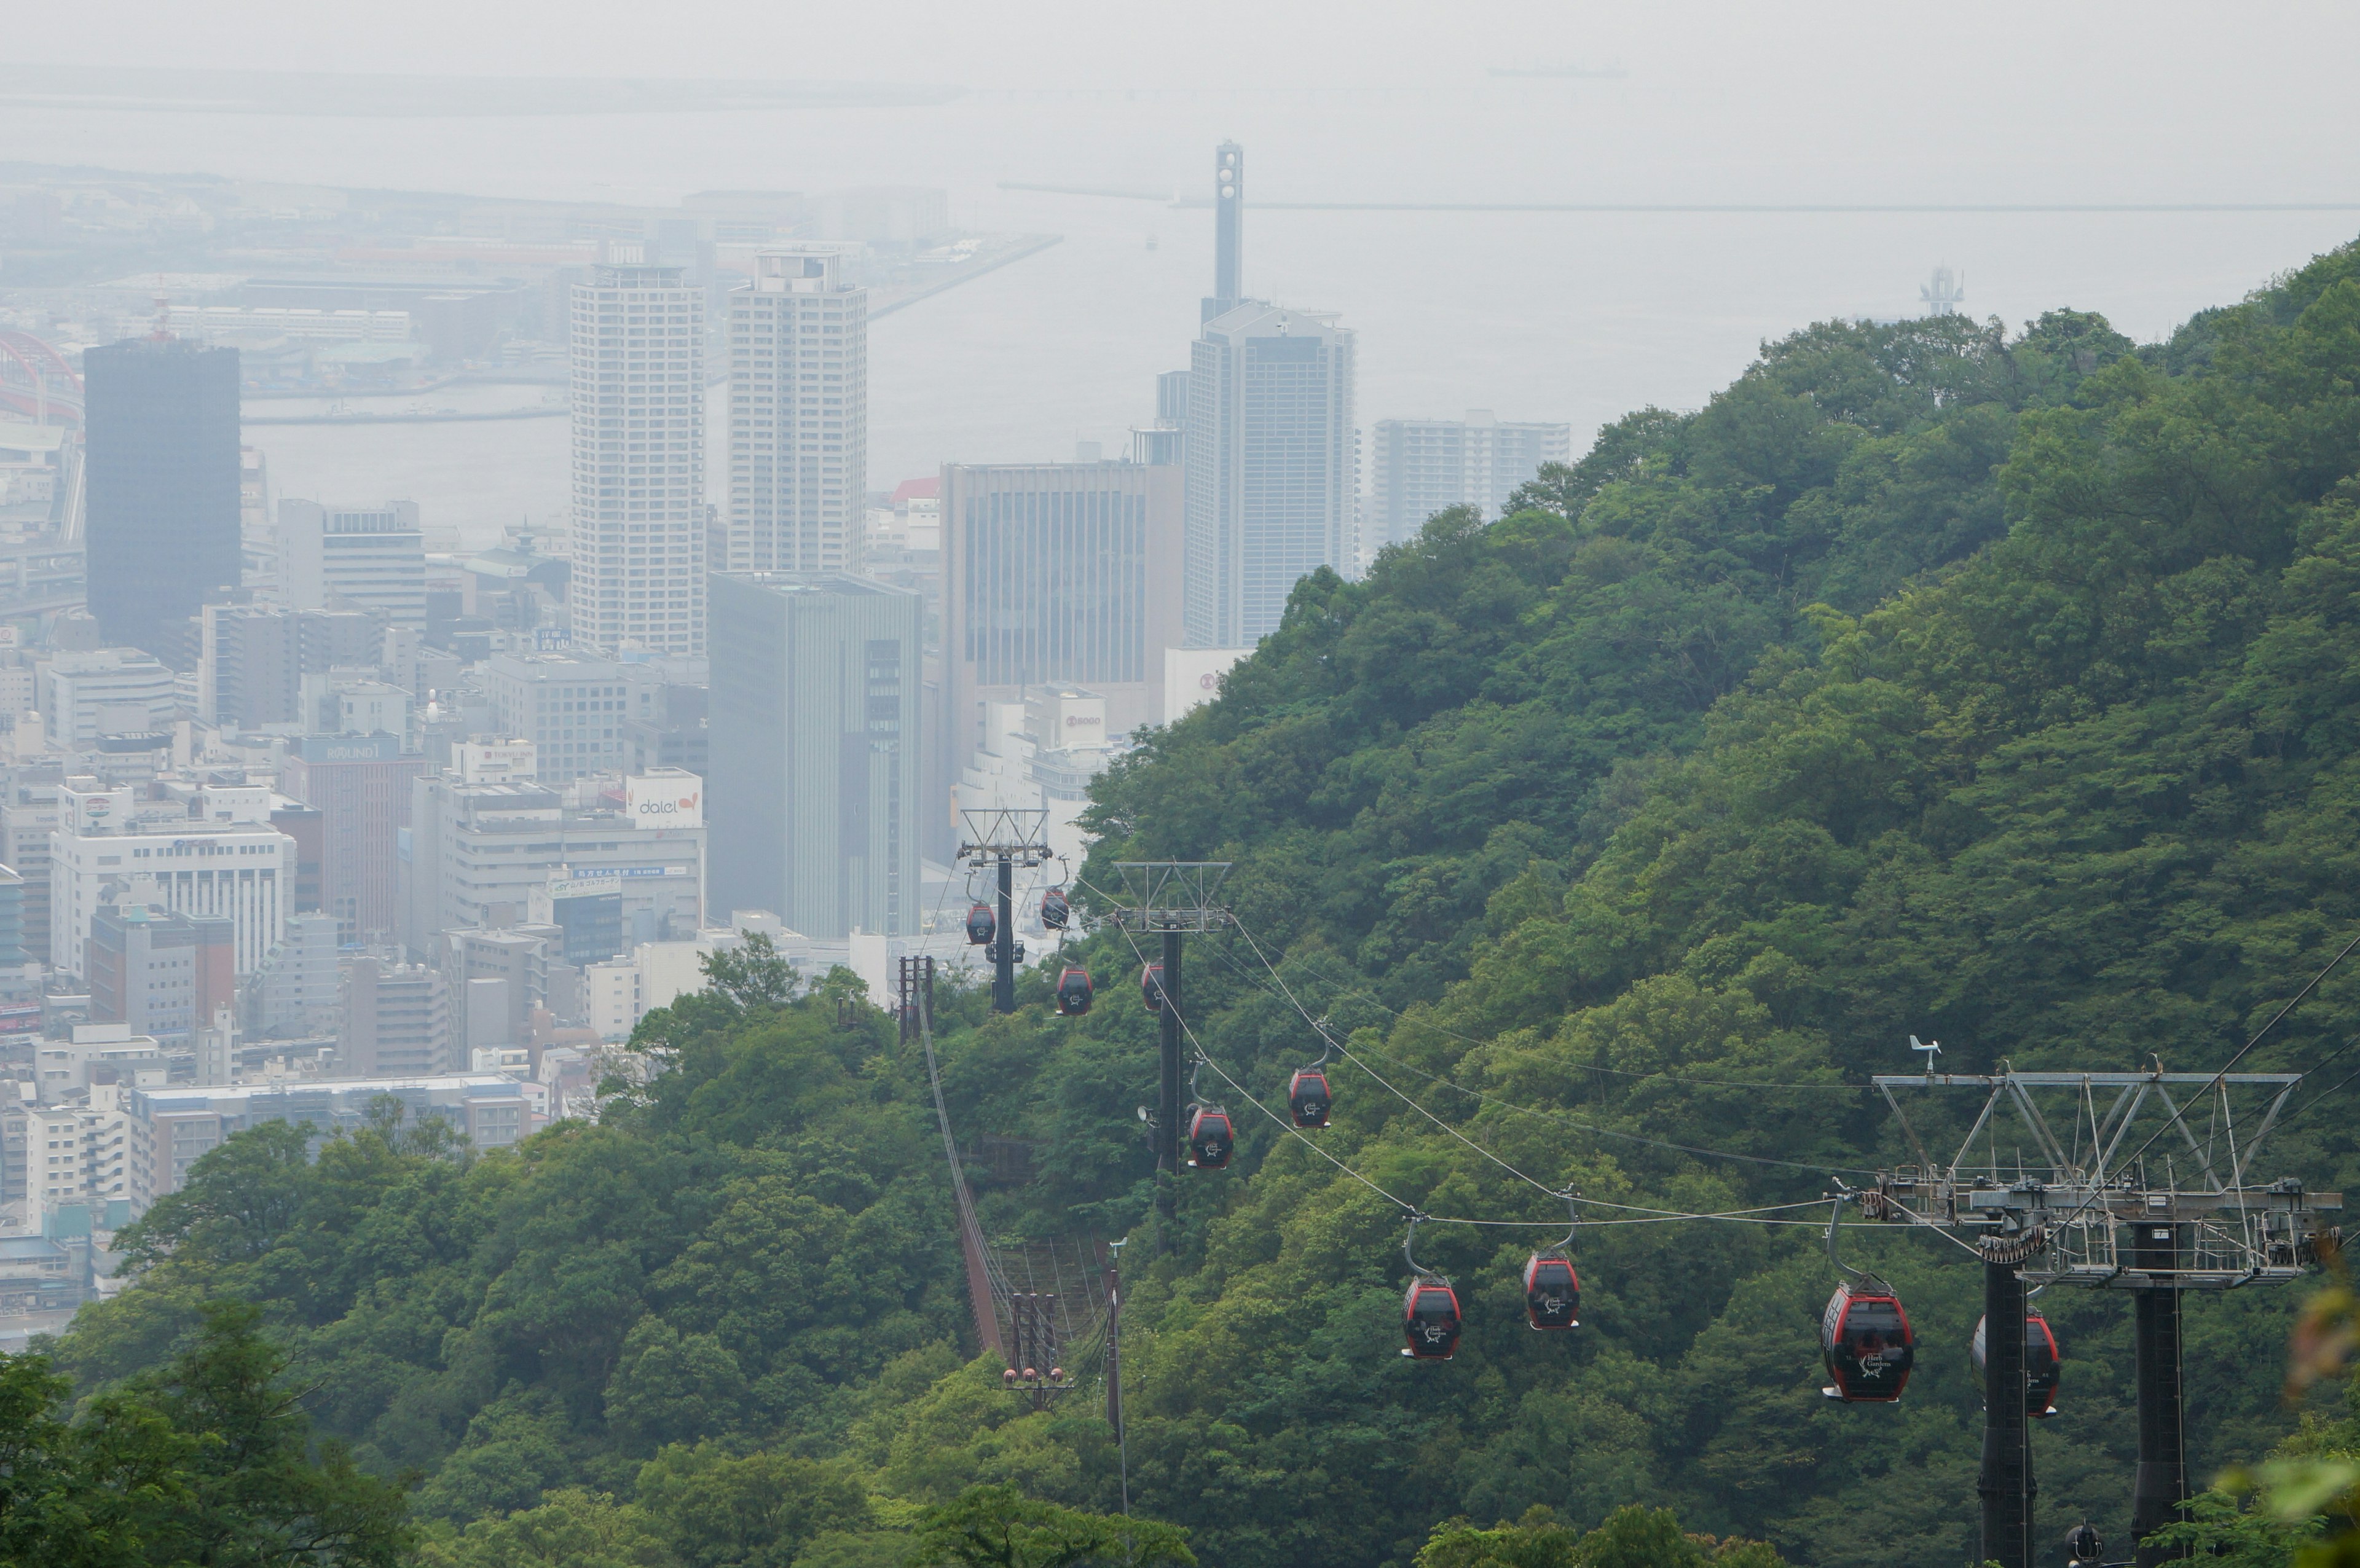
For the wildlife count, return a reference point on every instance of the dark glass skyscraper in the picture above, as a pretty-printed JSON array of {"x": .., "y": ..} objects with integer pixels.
[{"x": 162, "y": 518}]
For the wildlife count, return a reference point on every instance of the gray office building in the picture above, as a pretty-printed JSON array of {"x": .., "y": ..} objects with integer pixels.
[
  {"x": 161, "y": 506},
  {"x": 1419, "y": 467},
  {"x": 1268, "y": 444},
  {"x": 1054, "y": 573},
  {"x": 815, "y": 739}
]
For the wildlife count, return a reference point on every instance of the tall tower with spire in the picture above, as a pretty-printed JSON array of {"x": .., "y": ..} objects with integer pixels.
[{"x": 1270, "y": 454}]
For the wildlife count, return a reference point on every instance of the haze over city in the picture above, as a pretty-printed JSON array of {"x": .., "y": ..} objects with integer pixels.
[{"x": 1306, "y": 787}]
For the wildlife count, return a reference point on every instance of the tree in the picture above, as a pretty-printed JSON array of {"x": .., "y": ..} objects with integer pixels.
[
  {"x": 999, "y": 1527},
  {"x": 753, "y": 974},
  {"x": 252, "y": 1492},
  {"x": 207, "y": 1460}
]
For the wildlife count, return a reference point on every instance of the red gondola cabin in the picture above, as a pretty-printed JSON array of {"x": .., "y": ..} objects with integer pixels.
[
  {"x": 981, "y": 924},
  {"x": 1054, "y": 910},
  {"x": 1552, "y": 1292},
  {"x": 1074, "y": 991},
  {"x": 1866, "y": 1339},
  {"x": 1150, "y": 987},
  {"x": 2042, "y": 1368},
  {"x": 1210, "y": 1140},
  {"x": 1307, "y": 1099},
  {"x": 1430, "y": 1320}
]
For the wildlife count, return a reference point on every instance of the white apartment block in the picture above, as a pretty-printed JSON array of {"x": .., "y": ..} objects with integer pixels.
[
  {"x": 370, "y": 557},
  {"x": 239, "y": 870},
  {"x": 1420, "y": 467},
  {"x": 77, "y": 1153},
  {"x": 638, "y": 521},
  {"x": 798, "y": 417}
]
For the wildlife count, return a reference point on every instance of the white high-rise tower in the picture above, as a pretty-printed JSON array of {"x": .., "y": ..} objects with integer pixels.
[
  {"x": 798, "y": 416},
  {"x": 639, "y": 457}
]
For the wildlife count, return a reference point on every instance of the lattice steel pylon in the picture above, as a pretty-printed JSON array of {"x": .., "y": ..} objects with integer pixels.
[
  {"x": 1004, "y": 837},
  {"x": 2081, "y": 1201},
  {"x": 1171, "y": 898},
  {"x": 2088, "y": 1207}
]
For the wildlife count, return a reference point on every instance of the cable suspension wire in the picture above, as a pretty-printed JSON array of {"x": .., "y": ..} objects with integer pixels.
[
  {"x": 1640, "y": 1215},
  {"x": 2309, "y": 986},
  {"x": 1363, "y": 990},
  {"x": 1523, "y": 1110}
]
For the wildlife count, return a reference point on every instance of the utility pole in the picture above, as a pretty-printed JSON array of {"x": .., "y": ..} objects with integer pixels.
[
  {"x": 1114, "y": 1365},
  {"x": 1003, "y": 838},
  {"x": 2205, "y": 1226},
  {"x": 1170, "y": 898}
]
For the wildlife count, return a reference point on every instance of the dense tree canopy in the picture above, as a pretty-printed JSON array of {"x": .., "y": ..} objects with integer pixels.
[{"x": 2003, "y": 690}]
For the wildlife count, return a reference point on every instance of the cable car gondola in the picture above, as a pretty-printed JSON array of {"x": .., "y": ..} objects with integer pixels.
[
  {"x": 2042, "y": 1371},
  {"x": 1552, "y": 1289},
  {"x": 1074, "y": 991},
  {"x": 1210, "y": 1139},
  {"x": 1866, "y": 1341},
  {"x": 1307, "y": 1099},
  {"x": 1054, "y": 910},
  {"x": 1864, "y": 1334},
  {"x": 982, "y": 925},
  {"x": 1430, "y": 1316},
  {"x": 1150, "y": 987}
]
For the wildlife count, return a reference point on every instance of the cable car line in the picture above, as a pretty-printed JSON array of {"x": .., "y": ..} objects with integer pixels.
[
  {"x": 1370, "y": 996},
  {"x": 1644, "y": 1216},
  {"x": 1546, "y": 1115}
]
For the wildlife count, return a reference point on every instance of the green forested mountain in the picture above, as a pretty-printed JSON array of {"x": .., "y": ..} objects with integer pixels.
[{"x": 1998, "y": 689}]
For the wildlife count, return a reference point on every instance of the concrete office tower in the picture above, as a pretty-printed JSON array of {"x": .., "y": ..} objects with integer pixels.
[
  {"x": 1161, "y": 442},
  {"x": 815, "y": 743},
  {"x": 160, "y": 973},
  {"x": 85, "y": 693},
  {"x": 1052, "y": 573},
  {"x": 229, "y": 862},
  {"x": 479, "y": 853},
  {"x": 1419, "y": 467},
  {"x": 639, "y": 457},
  {"x": 1272, "y": 465},
  {"x": 249, "y": 667},
  {"x": 295, "y": 994},
  {"x": 798, "y": 416},
  {"x": 365, "y": 557},
  {"x": 361, "y": 785},
  {"x": 574, "y": 710},
  {"x": 397, "y": 1020},
  {"x": 162, "y": 503},
  {"x": 29, "y": 813}
]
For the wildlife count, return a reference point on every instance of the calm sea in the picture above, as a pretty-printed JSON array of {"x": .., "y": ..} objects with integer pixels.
[{"x": 1541, "y": 316}]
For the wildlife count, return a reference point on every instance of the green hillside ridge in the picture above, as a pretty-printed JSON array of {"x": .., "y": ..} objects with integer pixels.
[{"x": 1999, "y": 689}]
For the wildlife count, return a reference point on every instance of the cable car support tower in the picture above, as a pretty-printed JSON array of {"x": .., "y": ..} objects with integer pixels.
[
  {"x": 1004, "y": 837},
  {"x": 1172, "y": 898},
  {"x": 2071, "y": 1204}
]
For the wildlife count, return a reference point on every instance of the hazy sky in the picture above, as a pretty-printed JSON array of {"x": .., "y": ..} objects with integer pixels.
[
  {"x": 1538, "y": 316},
  {"x": 2172, "y": 98}
]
